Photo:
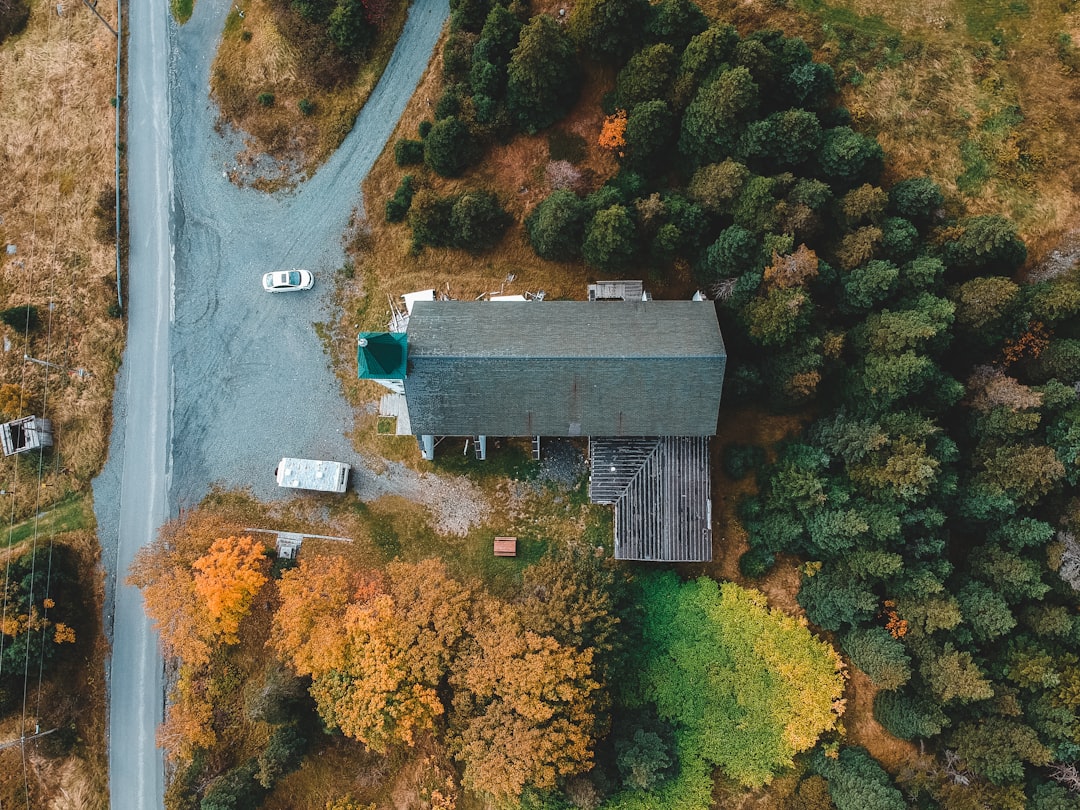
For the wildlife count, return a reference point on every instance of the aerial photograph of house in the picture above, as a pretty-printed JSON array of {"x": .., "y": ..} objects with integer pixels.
[{"x": 540, "y": 405}]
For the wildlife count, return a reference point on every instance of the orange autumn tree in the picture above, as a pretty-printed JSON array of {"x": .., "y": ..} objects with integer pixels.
[
  {"x": 791, "y": 270},
  {"x": 197, "y": 582},
  {"x": 163, "y": 572},
  {"x": 613, "y": 132},
  {"x": 527, "y": 705},
  {"x": 227, "y": 578},
  {"x": 377, "y": 652}
]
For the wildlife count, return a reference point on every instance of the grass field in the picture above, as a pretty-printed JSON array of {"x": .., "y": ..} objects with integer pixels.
[
  {"x": 57, "y": 161},
  {"x": 57, "y": 83},
  {"x": 71, "y": 514},
  {"x": 981, "y": 94}
]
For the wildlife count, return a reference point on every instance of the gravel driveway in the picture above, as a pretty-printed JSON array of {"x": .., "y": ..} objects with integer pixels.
[
  {"x": 220, "y": 379},
  {"x": 251, "y": 380}
]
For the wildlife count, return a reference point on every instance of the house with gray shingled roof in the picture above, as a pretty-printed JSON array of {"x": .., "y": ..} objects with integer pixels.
[{"x": 641, "y": 379}]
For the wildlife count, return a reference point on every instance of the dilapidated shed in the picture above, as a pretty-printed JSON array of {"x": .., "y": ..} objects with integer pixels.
[{"x": 26, "y": 434}]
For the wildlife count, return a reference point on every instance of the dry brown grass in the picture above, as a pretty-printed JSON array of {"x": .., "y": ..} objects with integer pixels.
[
  {"x": 862, "y": 729},
  {"x": 729, "y": 537},
  {"x": 256, "y": 57},
  {"x": 56, "y": 158},
  {"x": 939, "y": 109}
]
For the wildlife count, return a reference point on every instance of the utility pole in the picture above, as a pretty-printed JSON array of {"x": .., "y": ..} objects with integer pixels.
[
  {"x": 104, "y": 22},
  {"x": 75, "y": 372},
  {"x": 25, "y": 738}
]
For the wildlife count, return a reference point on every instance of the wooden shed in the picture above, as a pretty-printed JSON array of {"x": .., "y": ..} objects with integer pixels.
[{"x": 25, "y": 434}]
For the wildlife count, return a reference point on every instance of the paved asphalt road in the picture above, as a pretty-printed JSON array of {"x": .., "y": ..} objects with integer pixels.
[{"x": 219, "y": 379}]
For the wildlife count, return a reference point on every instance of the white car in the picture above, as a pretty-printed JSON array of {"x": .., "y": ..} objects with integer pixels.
[{"x": 288, "y": 281}]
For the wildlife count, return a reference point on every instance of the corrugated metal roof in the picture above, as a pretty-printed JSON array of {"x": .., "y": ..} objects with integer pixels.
[
  {"x": 564, "y": 368},
  {"x": 616, "y": 290},
  {"x": 660, "y": 489}
]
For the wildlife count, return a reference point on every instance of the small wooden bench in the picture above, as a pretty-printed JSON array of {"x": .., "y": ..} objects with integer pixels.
[{"x": 505, "y": 547}]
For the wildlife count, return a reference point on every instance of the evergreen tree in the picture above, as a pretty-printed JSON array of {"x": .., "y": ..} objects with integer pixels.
[
  {"x": 609, "y": 239},
  {"x": 909, "y": 716},
  {"x": 715, "y": 118},
  {"x": 556, "y": 227},
  {"x": 848, "y": 158},
  {"x": 449, "y": 147},
  {"x": 609, "y": 30},
  {"x": 857, "y": 782},
  {"x": 543, "y": 77}
]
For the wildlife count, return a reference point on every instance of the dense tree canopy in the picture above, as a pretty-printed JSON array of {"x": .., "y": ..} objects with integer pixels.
[{"x": 747, "y": 688}]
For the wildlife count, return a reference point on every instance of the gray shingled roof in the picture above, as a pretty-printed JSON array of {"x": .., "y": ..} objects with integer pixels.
[
  {"x": 660, "y": 489},
  {"x": 564, "y": 368}
]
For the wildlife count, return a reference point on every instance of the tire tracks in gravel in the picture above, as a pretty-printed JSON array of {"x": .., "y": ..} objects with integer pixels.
[{"x": 240, "y": 376}]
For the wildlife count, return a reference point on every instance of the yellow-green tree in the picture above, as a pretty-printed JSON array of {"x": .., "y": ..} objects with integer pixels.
[{"x": 746, "y": 687}]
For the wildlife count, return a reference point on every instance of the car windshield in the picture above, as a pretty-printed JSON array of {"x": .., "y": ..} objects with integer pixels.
[{"x": 294, "y": 277}]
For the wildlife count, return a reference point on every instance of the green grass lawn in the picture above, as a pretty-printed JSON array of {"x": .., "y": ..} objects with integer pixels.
[{"x": 68, "y": 515}]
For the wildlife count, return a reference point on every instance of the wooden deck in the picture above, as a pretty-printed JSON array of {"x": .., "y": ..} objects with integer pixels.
[{"x": 660, "y": 490}]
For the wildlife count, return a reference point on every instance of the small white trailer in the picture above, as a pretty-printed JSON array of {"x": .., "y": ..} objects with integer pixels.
[{"x": 307, "y": 473}]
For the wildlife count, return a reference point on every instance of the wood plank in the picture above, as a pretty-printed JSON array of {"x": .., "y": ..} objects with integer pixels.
[{"x": 505, "y": 547}]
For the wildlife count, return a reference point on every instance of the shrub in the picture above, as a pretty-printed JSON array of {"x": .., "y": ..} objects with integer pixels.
[
  {"x": 429, "y": 218},
  {"x": 265, "y": 99},
  {"x": 449, "y": 147},
  {"x": 556, "y": 227},
  {"x": 235, "y": 790},
  {"x": 281, "y": 756},
  {"x": 424, "y": 128},
  {"x": 22, "y": 318},
  {"x": 408, "y": 152},
  {"x": 245, "y": 35},
  {"x": 306, "y": 106},
  {"x": 742, "y": 459},
  {"x": 477, "y": 221},
  {"x": 473, "y": 220},
  {"x": 908, "y": 716},
  {"x": 449, "y": 103},
  {"x": 756, "y": 562},
  {"x": 397, "y": 207}
]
